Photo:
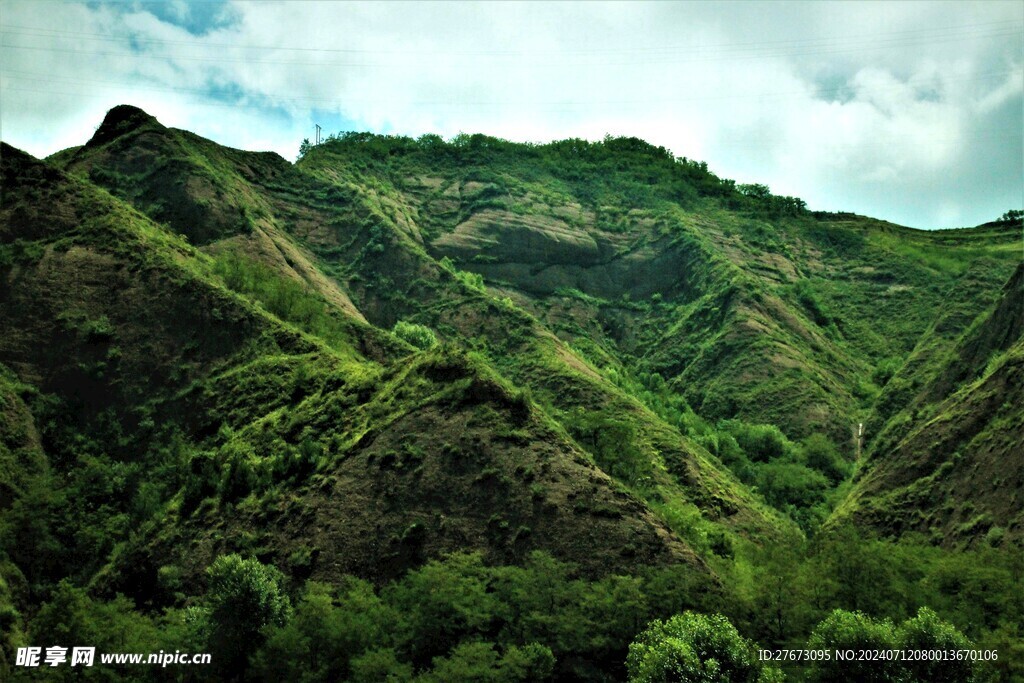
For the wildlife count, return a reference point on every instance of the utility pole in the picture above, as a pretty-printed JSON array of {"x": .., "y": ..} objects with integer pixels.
[{"x": 317, "y": 133}]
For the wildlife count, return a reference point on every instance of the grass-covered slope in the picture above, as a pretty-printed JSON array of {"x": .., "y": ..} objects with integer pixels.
[
  {"x": 177, "y": 178},
  {"x": 488, "y": 406},
  {"x": 594, "y": 274},
  {"x": 436, "y": 457},
  {"x": 181, "y": 418},
  {"x": 614, "y": 235},
  {"x": 629, "y": 291},
  {"x": 198, "y": 189},
  {"x": 367, "y": 239},
  {"x": 950, "y": 465},
  {"x": 749, "y": 305}
]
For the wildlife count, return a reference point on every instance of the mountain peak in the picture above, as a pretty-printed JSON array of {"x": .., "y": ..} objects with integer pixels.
[{"x": 122, "y": 119}]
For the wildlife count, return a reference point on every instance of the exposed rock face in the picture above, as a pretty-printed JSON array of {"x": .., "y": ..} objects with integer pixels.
[
  {"x": 543, "y": 253},
  {"x": 509, "y": 237},
  {"x": 120, "y": 120}
]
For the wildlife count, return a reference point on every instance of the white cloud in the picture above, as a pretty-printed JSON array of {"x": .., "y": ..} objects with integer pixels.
[
  {"x": 1011, "y": 88},
  {"x": 877, "y": 108}
]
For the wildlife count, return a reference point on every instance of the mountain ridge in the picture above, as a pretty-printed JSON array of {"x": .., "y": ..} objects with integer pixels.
[
  {"x": 755, "y": 340},
  {"x": 103, "y": 334}
]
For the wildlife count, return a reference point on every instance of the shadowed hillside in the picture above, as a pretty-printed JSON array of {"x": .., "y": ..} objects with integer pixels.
[{"x": 960, "y": 433}]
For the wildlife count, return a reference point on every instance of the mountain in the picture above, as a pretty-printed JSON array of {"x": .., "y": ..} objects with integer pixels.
[
  {"x": 366, "y": 455},
  {"x": 746, "y": 297},
  {"x": 590, "y": 360},
  {"x": 357, "y": 237}
]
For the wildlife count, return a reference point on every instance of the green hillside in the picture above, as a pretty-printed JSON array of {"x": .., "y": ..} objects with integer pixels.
[
  {"x": 960, "y": 431},
  {"x": 481, "y": 410},
  {"x": 241, "y": 406}
]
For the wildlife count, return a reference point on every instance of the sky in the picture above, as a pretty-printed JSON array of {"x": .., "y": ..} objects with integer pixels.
[{"x": 907, "y": 111}]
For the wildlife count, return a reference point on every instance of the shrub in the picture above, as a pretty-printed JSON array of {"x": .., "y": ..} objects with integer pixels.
[
  {"x": 474, "y": 281},
  {"x": 613, "y": 442},
  {"x": 420, "y": 336},
  {"x": 884, "y": 371},
  {"x": 809, "y": 300}
]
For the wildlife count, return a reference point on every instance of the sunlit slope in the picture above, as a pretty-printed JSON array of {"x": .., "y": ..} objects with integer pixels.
[{"x": 747, "y": 305}]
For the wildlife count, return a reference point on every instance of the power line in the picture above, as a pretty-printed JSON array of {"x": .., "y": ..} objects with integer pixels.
[
  {"x": 806, "y": 50},
  {"x": 281, "y": 98},
  {"x": 959, "y": 30}
]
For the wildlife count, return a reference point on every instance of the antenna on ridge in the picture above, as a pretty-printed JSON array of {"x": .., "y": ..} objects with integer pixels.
[{"x": 317, "y": 133}]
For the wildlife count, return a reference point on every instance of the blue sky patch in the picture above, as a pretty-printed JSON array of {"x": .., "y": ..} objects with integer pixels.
[{"x": 198, "y": 17}]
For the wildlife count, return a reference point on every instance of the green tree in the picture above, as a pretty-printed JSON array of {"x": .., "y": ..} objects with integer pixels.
[
  {"x": 927, "y": 632},
  {"x": 780, "y": 594},
  {"x": 755, "y": 190},
  {"x": 790, "y": 483},
  {"x": 478, "y": 661},
  {"x": 325, "y": 633},
  {"x": 852, "y": 631},
  {"x": 71, "y": 618},
  {"x": 242, "y": 598},
  {"x": 860, "y": 573},
  {"x": 692, "y": 647},
  {"x": 1008, "y": 641},
  {"x": 380, "y": 666},
  {"x": 822, "y": 455},
  {"x": 443, "y": 603},
  {"x": 761, "y": 442},
  {"x": 66, "y": 618},
  {"x": 544, "y": 604}
]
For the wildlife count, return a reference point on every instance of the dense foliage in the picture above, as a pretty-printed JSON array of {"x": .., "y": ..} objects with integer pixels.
[{"x": 460, "y": 619}]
